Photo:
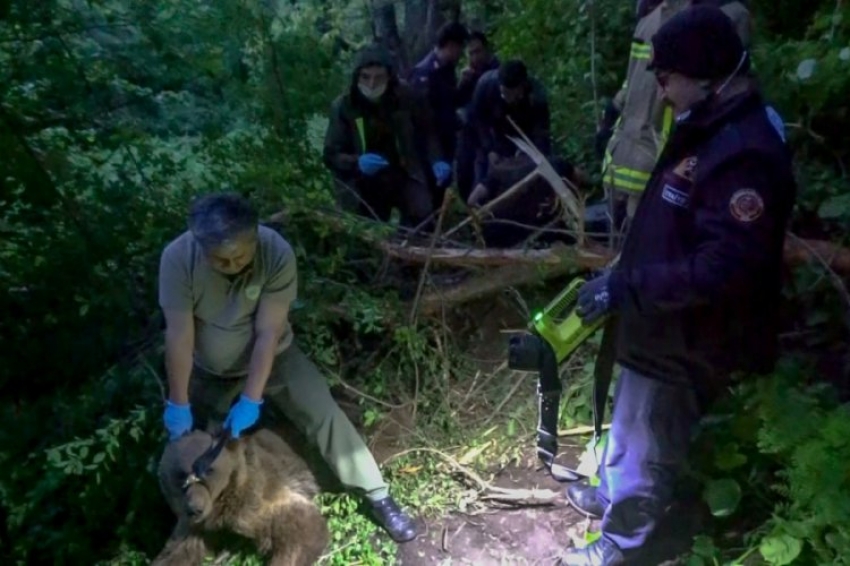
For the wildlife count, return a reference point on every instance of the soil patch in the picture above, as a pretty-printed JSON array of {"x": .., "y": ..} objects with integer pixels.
[{"x": 528, "y": 535}]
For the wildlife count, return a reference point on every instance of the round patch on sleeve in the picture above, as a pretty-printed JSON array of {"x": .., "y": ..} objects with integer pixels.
[
  {"x": 746, "y": 205},
  {"x": 252, "y": 292}
]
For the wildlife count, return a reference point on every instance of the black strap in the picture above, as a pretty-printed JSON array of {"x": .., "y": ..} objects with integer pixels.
[
  {"x": 202, "y": 465},
  {"x": 603, "y": 373},
  {"x": 549, "y": 401}
]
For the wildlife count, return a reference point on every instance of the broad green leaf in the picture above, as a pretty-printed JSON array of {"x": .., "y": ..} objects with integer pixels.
[
  {"x": 703, "y": 547},
  {"x": 729, "y": 457},
  {"x": 805, "y": 69},
  {"x": 835, "y": 207},
  {"x": 780, "y": 550},
  {"x": 722, "y": 496}
]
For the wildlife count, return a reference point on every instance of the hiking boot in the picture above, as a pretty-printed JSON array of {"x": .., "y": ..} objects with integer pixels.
[
  {"x": 396, "y": 522},
  {"x": 583, "y": 499},
  {"x": 601, "y": 553}
]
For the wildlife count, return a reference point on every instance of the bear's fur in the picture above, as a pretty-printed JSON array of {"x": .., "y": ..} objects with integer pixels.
[{"x": 257, "y": 487}]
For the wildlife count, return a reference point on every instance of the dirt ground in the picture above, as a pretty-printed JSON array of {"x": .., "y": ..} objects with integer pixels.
[
  {"x": 521, "y": 536},
  {"x": 504, "y": 535}
]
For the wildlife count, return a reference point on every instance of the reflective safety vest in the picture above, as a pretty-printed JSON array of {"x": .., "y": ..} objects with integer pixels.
[{"x": 644, "y": 125}]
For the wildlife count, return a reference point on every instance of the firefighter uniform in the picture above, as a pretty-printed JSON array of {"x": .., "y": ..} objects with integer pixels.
[
  {"x": 697, "y": 287},
  {"x": 644, "y": 122}
]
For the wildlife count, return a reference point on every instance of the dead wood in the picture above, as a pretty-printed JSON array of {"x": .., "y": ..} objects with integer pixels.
[{"x": 589, "y": 257}]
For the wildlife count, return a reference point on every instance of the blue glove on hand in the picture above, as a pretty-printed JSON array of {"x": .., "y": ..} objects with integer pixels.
[
  {"x": 442, "y": 170},
  {"x": 177, "y": 419},
  {"x": 244, "y": 414},
  {"x": 594, "y": 299},
  {"x": 371, "y": 163}
]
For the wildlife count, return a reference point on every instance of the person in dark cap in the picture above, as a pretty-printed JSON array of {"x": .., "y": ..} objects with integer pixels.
[
  {"x": 696, "y": 290},
  {"x": 482, "y": 59},
  {"x": 435, "y": 79},
  {"x": 507, "y": 92},
  {"x": 636, "y": 122},
  {"x": 371, "y": 143}
]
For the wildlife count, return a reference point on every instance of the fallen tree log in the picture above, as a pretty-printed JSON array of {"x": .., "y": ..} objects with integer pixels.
[
  {"x": 797, "y": 252},
  {"x": 490, "y": 283},
  {"x": 517, "y": 267},
  {"x": 579, "y": 257}
]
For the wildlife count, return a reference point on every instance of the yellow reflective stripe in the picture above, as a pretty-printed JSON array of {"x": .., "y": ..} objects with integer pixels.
[
  {"x": 666, "y": 126},
  {"x": 361, "y": 131},
  {"x": 623, "y": 177},
  {"x": 620, "y": 183},
  {"x": 632, "y": 174},
  {"x": 640, "y": 51}
]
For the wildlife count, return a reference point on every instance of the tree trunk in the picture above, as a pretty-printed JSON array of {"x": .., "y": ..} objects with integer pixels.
[{"x": 386, "y": 31}]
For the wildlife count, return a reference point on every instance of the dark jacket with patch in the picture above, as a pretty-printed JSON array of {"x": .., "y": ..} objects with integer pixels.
[
  {"x": 699, "y": 278},
  {"x": 488, "y": 115},
  {"x": 438, "y": 85},
  {"x": 466, "y": 88},
  {"x": 389, "y": 127}
]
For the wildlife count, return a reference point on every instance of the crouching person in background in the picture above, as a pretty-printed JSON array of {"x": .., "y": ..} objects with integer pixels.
[
  {"x": 370, "y": 144},
  {"x": 532, "y": 208}
]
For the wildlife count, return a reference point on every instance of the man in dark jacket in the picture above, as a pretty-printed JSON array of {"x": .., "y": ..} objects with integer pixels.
[
  {"x": 481, "y": 60},
  {"x": 435, "y": 78},
  {"x": 370, "y": 143},
  {"x": 697, "y": 287},
  {"x": 508, "y": 92}
]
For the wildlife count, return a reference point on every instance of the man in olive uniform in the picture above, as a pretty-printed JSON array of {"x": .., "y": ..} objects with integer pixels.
[
  {"x": 636, "y": 120},
  {"x": 225, "y": 287},
  {"x": 371, "y": 143}
]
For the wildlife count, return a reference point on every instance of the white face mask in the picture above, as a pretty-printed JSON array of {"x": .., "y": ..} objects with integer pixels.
[{"x": 372, "y": 94}]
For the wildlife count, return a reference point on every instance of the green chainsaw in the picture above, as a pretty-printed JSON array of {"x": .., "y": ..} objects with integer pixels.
[{"x": 553, "y": 335}]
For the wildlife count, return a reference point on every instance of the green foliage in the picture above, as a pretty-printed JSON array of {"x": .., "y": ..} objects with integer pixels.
[
  {"x": 788, "y": 444},
  {"x": 114, "y": 114},
  {"x": 578, "y": 51}
]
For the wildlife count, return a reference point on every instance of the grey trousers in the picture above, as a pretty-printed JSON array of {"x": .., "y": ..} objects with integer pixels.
[{"x": 298, "y": 389}]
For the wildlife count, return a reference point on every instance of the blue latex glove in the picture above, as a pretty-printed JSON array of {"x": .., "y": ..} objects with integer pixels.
[
  {"x": 594, "y": 299},
  {"x": 371, "y": 163},
  {"x": 177, "y": 419},
  {"x": 244, "y": 414},
  {"x": 442, "y": 170}
]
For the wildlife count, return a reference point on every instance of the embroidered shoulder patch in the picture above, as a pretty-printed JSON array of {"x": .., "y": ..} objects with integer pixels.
[{"x": 746, "y": 205}]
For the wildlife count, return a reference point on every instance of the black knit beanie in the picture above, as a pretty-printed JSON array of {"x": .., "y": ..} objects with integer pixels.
[{"x": 699, "y": 42}]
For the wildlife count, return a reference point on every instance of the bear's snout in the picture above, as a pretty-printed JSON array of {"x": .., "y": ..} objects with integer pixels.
[{"x": 196, "y": 503}]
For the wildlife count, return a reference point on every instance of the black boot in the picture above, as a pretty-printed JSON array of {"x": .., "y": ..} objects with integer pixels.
[
  {"x": 601, "y": 553},
  {"x": 583, "y": 498},
  {"x": 396, "y": 522}
]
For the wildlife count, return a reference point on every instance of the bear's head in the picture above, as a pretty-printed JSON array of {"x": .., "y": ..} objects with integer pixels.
[{"x": 194, "y": 495}]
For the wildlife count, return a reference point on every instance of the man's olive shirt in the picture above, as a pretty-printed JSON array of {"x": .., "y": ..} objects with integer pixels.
[{"x": 225, "y": 307}]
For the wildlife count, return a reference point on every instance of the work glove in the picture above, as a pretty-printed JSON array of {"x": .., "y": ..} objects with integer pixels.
[
  {"x": 594, "y": 299},
  {"x": 442, "y": 170},
  {"x": 478, "y": 196},
  {"x": 371, "y": 163},
  {"x": 244, "y": 414},
  {"x": 177, "y": 419}
]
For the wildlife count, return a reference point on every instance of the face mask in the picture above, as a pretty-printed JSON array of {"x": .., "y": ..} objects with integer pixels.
[{"x": 372, "y": 94}]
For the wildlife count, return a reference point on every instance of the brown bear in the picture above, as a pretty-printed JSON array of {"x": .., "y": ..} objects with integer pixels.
[{"x": 256, "y": 487}]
